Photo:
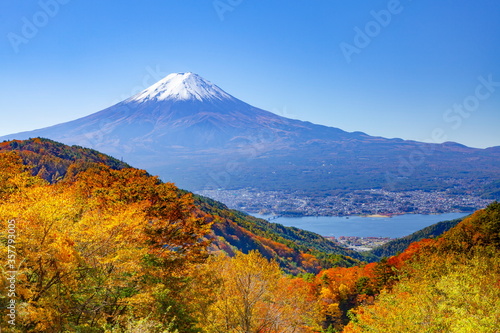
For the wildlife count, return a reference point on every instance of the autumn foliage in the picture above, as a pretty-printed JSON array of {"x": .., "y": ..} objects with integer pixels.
[
  {"x": 104, "y": 251},
  {"x": 114, "y": 249},
  {"x": 104, "y": 247},
  {"x": 450, "y": 284}
]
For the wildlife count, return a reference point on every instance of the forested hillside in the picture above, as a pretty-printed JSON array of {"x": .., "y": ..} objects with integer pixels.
[
  {"x": 109, "y": 248},
  {"x": 447, "y": 284},
  {"x": 398, "y": 245},
  {"x": 54, "y": 161},
  {"x": 296, "y": 250}
]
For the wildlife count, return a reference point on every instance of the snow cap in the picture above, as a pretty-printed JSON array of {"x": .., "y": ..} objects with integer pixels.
[{"x": 182, "y": 86}]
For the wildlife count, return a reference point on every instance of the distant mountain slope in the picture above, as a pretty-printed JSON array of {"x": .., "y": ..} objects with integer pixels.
[
  {"x": 191, "y": 132},
  {"x": 399, "y": 245},
  {"x": 296, "y": 250}
]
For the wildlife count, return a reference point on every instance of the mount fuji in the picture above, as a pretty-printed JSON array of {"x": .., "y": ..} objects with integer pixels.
[
  {"x": 180, "y": 112},
  {"x": 189, "y": 131}
]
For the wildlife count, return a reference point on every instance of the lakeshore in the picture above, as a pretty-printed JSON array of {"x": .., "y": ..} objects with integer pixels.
[{"x": 394, "y": 226}]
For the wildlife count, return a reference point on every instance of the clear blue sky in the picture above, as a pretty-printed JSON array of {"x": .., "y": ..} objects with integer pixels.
[{"x": 288, "y": 57}]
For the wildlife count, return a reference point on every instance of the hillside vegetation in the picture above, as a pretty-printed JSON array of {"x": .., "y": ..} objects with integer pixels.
[
  {"x": 108, "y": 248},
  {"x": 101, "y": 246},
  {"x": 450, "y": 284},
  {"x": 398, "y": 245},
  {"x": 296, "y": 250},
  {"x": 54, "y": 161}
]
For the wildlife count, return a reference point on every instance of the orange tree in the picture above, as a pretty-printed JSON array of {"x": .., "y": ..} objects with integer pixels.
[{"x": 110, "y": 250}]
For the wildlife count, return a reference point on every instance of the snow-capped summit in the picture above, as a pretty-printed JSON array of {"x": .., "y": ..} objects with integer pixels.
[
  {"x": 181, "y": 86},
  {"x": 190, "y": 131}
]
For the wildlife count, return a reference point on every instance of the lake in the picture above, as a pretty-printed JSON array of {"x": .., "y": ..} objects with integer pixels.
[{"x": 361, "y": 226}]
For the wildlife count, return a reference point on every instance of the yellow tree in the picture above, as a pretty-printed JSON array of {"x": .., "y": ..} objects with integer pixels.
[
  {"x": 101, "y": 252},
  {"x": 173, "y": 233},
  {"x": 14, "y": 176},
  {"x": 453, "y": 293},
  {"x": 252, "y": 296}
]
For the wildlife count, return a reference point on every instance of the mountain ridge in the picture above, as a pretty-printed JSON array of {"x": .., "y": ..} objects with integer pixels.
[{"x": 189, "y": 131}]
